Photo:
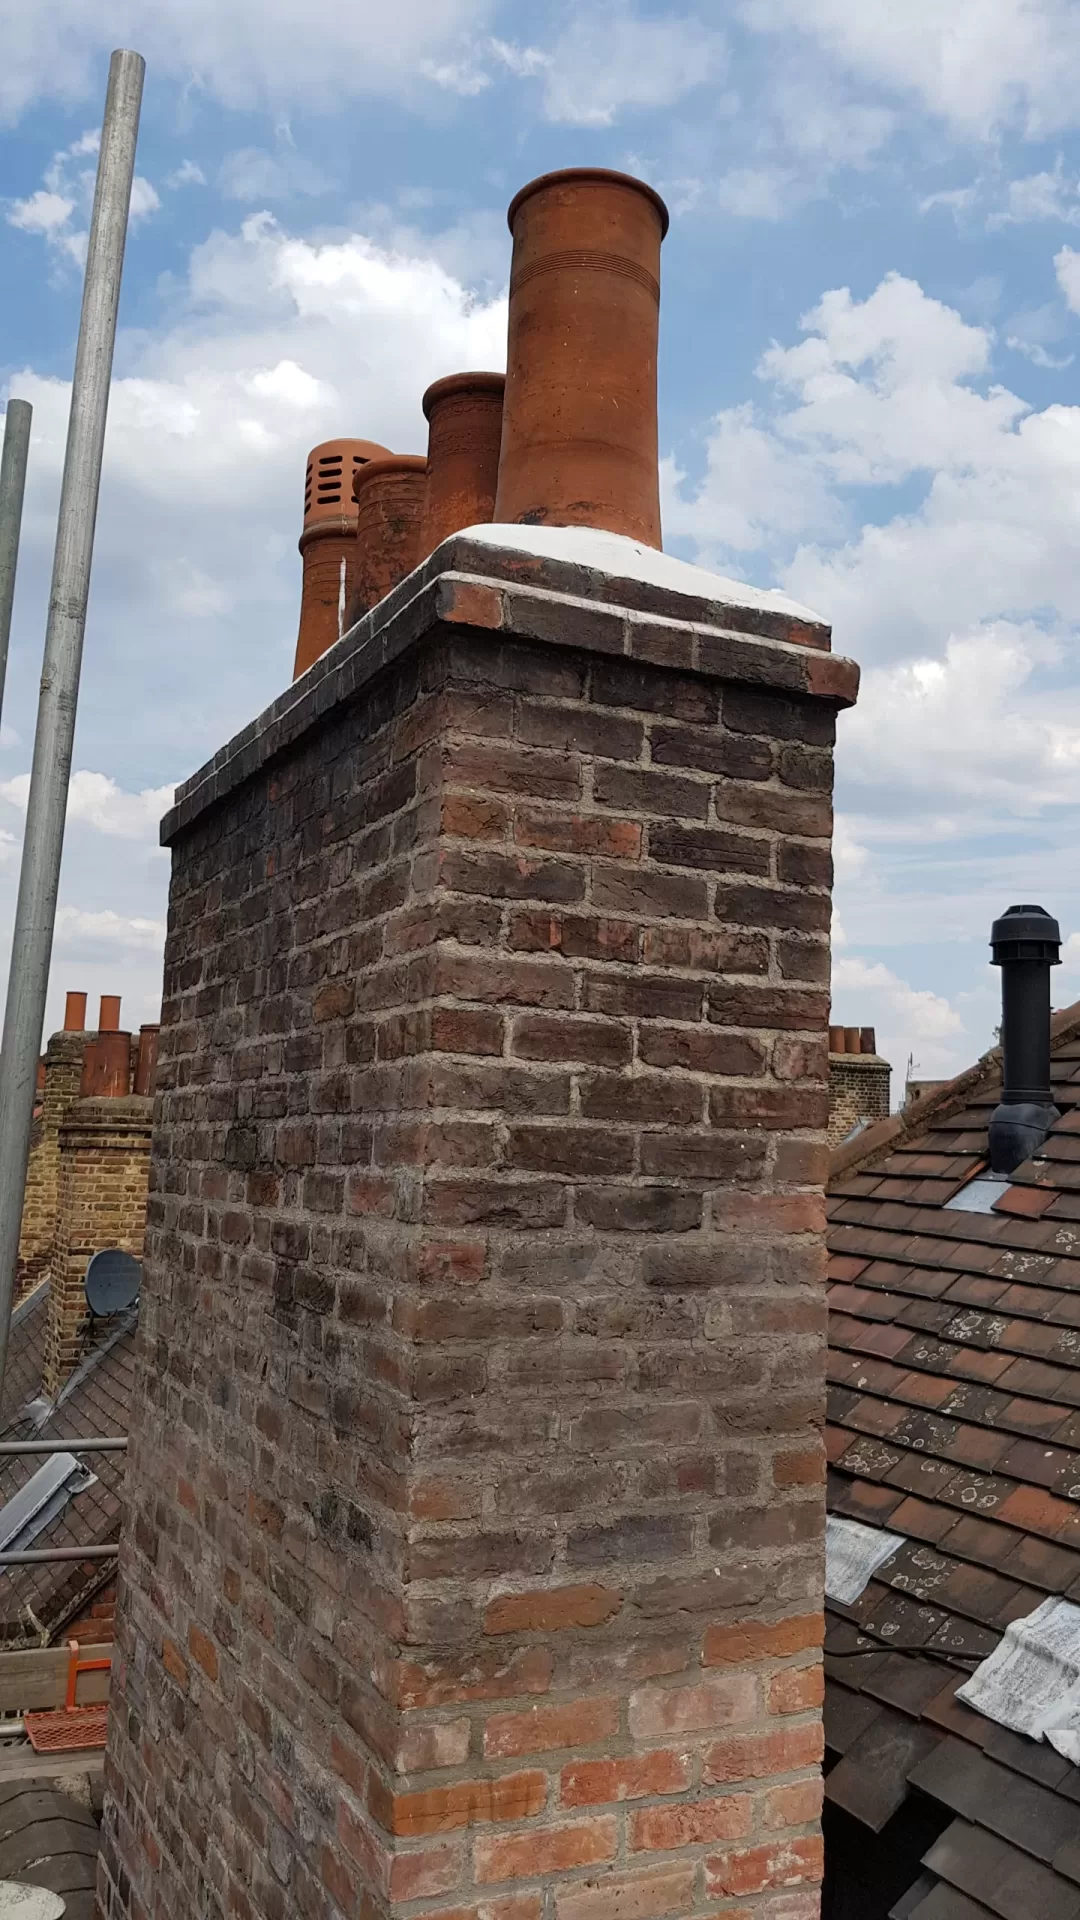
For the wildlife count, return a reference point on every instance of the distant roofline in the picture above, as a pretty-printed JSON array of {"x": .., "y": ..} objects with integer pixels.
[{"x": 877, "y": 1142}]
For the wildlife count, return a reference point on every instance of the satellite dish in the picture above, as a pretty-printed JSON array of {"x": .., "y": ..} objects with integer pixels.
[{"x": 112, "y": 1281}]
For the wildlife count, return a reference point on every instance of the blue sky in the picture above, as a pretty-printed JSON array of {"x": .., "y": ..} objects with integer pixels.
[{"x": 870, "y": 394}]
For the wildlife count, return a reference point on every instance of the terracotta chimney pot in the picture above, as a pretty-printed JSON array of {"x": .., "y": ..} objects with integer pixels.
[
  {"x": 106, "y": 1071},
  {"x": 867, "y": 1040},
  {"x": 109, "y": 1014},
  {"x": 464, "y": 414},
  {"x": 75, "y": 1013},
  {"x": 580, "y": 441},
  {"x": 852, "y": 1040},
  {"x": 328, "y": 544},
  {"x": 146, "y": 1064},
  {"x": 389, "y": 495},
  {"x": 837, "y": 1042}
]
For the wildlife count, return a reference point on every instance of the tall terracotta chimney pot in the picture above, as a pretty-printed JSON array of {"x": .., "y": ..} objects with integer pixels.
[
  {"x": 390, "y": 495},
  {"x": 837, "y": 1040},
  {"x": 109, "y": 1013},
  {"x": 146, "y": 1064},
  {"x": 580, "y": 445},
  {"x": 464, "y": 414},
  {"x": 328, "y": 544},
  {"x": 106, "y": 1071},
  {"x": 75, "y": 1013}
]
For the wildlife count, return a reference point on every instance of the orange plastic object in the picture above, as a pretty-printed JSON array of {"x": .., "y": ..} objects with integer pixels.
[
  {"x": 77, "y": 1666},
  {"x": 67, "y": 1732}
]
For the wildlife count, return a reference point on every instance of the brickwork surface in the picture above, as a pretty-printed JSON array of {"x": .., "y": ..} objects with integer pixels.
[
  {"x": 858, "y": 1090},
  {"x": 63, "y": 1071},
  {"x": 473, "y": 1559},
  {"x": 104, "y": 1152}
]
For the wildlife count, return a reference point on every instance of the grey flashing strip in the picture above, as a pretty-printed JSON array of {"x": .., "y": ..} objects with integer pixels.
[{"x": 45, "y": 1494}]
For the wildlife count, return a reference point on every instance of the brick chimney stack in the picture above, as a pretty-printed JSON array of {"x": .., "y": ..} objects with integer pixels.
[
  {"x": 59, "y": 1087},
  {"x": 859, "y": 1081},
  {"x": 475, "y": 1503},
  {"x": 103, "y": 1168}
]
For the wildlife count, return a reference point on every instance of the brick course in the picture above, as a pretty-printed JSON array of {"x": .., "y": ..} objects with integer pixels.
[{"x": 472, "y": 1562}]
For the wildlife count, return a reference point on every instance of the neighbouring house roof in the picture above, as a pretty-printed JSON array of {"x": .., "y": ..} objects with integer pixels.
[
  {"x": 86, "y": 1509},
  {"x": 954, "y": 1424}
]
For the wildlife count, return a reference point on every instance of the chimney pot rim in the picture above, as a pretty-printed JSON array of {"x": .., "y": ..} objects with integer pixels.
[
  {"x": 606, "y": 176},
  {"x": 394, "y": 463},
  {"x": 461, "y": 383}
]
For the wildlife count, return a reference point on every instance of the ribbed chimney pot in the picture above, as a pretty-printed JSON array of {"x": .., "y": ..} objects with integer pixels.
[
  {"x": 390, "y": 497},
  {"x": 580, "y": 444},
  {"x": 328, "y": 544},
  {"x": 464, "y": 414}
]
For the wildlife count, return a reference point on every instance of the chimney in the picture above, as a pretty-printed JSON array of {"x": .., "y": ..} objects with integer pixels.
[
  {"x": 1025, "y": 944},
  {"x": 858, "y": 1082},
  {"x": 580, "y": 440},
  {"x": 75, "y": 1013},
  {"x": 464, "y": 414},
  {"x": 389, "y": 495},
  {"x": 58, "y": 1089},
  {"x": 106, "y": 1062},
  {"x": 146, "y": 1062},
  {"x": 327, "y": 544}
]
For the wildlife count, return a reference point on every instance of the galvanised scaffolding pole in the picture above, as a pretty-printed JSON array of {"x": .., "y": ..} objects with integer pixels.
[
  {"x": 43, "y": 843},
  {"x": 12, "y": 487}
]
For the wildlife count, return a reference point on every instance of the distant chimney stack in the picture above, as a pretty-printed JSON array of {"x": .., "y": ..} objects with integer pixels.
[
  {"x": 464, "y": 414},
  {"x": 75, "y": 1013},
  {"x": 328, "y": 544},
  {"x": 390, "y": 498},
  {"x": 580, "y": 442},
  {"x": 1025, "y": 944},
  {"x": 859, "y": 1081}
]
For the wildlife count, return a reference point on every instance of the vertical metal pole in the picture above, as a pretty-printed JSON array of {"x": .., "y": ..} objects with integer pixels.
[
  {"x": 12, "y": 488},
  {"x": 43, "y": 844}
]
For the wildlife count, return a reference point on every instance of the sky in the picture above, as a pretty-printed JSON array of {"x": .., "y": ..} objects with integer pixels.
[{"x": 869, "y": 396}]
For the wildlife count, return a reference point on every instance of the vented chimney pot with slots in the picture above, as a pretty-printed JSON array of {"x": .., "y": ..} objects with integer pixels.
[
  {"x": 328, "y": 544},
  {"x": 390, "y": 495},
  {"x": 1025, "y": 943},
  {"x": 580, "y": 445},
  {"x": 464, "y": 415}
]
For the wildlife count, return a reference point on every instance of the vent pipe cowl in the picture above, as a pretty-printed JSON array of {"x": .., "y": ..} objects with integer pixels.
[{"x": 1025, "y": 944}]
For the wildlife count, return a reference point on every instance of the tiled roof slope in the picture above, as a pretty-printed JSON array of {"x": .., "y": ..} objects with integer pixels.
[
  {"x": 954, "y": 1420},
  {"x": 94, "y": 1404}
]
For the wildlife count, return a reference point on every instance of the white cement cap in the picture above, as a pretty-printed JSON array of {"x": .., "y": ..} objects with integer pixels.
[{"x": 616, "y": 554}]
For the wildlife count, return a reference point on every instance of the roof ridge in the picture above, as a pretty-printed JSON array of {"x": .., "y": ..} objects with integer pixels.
[{"x": 853, "y": 1156}]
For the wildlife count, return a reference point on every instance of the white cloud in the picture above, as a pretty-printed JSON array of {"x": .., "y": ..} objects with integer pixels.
[
  {"x": 95, "y": 800},
  {"x": 43, "y": 212},
  {"x": 69, "y": 192},
  {"x": 608, "y": 62},
  {"x": 78, "y": 931},
  {"x": 979, "y": 65},
  {"x": 253, "y": 173},
  {"x": 187, "y": 174},
  {"x": 245, "y": 53}
]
